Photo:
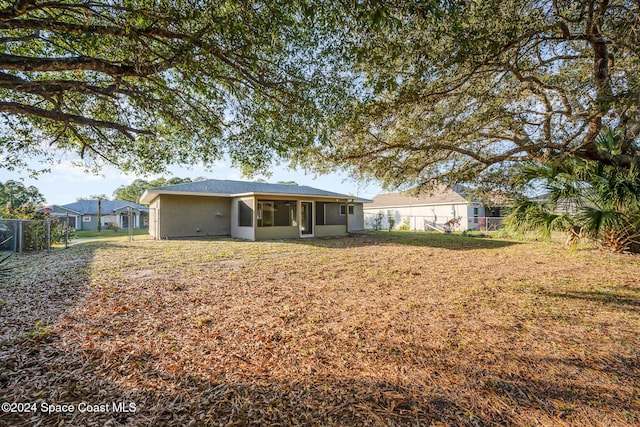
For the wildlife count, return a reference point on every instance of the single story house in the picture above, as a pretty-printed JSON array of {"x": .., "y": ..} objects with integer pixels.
[
  {"x": 444, "y": 208},
  {"x": 83, "y": 215},
  {"x": 250, "y": 210}
]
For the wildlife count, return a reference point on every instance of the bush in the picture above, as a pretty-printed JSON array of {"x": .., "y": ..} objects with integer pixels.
[
  {"x": 113, "y": 226},
  {"x": 587, "y": 200}
]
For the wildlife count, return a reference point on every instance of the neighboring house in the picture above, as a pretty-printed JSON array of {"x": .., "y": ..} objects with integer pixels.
[
  {"x": 83, "y": 215},
  {"x": 431, "y": 211},
  {"x": 250, "y": 210}
]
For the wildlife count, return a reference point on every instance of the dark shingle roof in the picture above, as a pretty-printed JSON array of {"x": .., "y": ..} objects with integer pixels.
[
  {"x": 226, "y": 187},
  {"x": 91, "y": 206}
]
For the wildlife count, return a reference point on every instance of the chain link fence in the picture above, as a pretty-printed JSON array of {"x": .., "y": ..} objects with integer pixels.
[{"x": 18, "y": 235}]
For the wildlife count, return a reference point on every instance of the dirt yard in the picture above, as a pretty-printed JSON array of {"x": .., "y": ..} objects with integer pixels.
[{"x": 387, "y": 329}]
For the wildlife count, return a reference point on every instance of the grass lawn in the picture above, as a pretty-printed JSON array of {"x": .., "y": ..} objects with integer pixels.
[
  {"x": 383, "y": 329},
  {"x": 109, "y": 234}
]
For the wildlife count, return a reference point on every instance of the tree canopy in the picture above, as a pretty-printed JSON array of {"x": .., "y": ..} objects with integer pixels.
[
  {"x": 15, "y": 194},
  {"x": 93, "y": 197},
  {"x": 408, "y": 92},
  {"x": 133, "y": 191},
  {"x": 466, "y": 91},
  {"x": 143, "y": 84}
]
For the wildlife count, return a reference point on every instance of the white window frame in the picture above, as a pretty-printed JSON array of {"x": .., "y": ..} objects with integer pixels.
[{"x": 86, "y": 218}]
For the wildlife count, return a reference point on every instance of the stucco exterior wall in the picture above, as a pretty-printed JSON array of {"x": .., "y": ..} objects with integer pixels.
[
  {"x": 330, "y": 230},
  {"x": 356, "y": 221},
  {"x": 272, "y": 233},
  {"x": 472, "y": 220},
  {"x": 194, "y": 216},
  {"x": 238, "y": 232},
  {"x": 154, "y": 224}
]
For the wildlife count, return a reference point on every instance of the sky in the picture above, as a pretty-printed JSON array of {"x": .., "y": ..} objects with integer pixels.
[{"x": 66, "y": 182}]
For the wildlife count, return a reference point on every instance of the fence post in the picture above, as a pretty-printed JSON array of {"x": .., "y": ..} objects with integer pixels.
[
  {"x": 48, "y": 223},
  {"x": 20, "y": 236},
  {"x": 130, "y": 221},
  {"x": 66, "y": 233},
  {"x": 15, "y": 235}
]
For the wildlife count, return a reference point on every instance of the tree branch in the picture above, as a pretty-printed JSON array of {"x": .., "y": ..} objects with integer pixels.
[
  {"x": 16, "y": 108},
  {"x": 26, "y": 63},
  {"x": 44, "y": 87},
  {"x": 18, "y": 8},
  {"x": 244, "y": 69}
]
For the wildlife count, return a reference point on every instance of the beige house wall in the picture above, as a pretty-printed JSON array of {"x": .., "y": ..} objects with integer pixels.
[
  {"x": 271, "y": 233},
  {"x": 193, "y": 216},
  {"x": 356, "y": 221},
  {"x": 238, "y": 232},
  {"x": 154, "y": 225},
  {"x": 330, "y": 230}
]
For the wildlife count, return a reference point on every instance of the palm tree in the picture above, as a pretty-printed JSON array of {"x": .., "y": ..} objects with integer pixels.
[{"x": 586, "y": 200}]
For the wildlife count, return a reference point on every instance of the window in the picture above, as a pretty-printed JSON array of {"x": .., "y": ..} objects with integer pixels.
[
  {"x": 350, "y": 209},
  {"x": 276, "y": 213},
  {"x": 86, "y": 218},
  {"x": 343, "y": 209},
  {"x": 245, "y": 214},
  {"x": 475, "y": 215}
]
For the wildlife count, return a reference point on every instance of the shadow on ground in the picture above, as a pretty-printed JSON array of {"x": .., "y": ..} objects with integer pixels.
[{"x": 456, "y": 242}]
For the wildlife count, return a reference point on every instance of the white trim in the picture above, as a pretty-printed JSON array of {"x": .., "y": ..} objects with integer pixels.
[{"x": 301, "y": 223}]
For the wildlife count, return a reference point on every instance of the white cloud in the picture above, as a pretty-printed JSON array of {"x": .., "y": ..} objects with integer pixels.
[{"x": 68, "y": 171}]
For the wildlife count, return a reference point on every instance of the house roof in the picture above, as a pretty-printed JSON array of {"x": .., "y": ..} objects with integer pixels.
[
  {"x": 227, "y": 188},
  {"x": 440, "y": 196},
  {"x": 87, "y": 207}
]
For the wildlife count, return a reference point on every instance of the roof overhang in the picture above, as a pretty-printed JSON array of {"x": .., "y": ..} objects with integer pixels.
[
  {"x": 129, "y": 206},
  {"x": 66, "y": 209},
  {"x": 337, "y": 197},
  {"x": 149, "y": 195}
]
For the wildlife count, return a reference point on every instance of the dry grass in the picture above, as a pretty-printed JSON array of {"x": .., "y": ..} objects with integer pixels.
[{"x": 391, "y": 329}]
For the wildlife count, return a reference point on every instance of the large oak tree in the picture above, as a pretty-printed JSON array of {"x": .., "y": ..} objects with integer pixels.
[
  {"x": 465, "y": 91},
  {"x": 146, "y": 83}
]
